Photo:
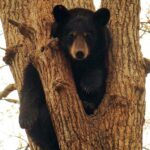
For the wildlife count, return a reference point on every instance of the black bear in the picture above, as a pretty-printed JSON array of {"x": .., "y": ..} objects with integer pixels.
[{"x": 84, "y": 39}]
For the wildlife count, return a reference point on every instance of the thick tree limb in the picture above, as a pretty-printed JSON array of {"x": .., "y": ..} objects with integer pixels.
[
  {"x": 147, "y": 65},
  {"x": 7, "y": 90}
]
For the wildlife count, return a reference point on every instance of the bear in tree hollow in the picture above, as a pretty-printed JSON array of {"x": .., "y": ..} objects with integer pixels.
[{"x": 84, "y": 39}]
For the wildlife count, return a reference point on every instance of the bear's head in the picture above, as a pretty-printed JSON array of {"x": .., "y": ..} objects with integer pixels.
[{"x": 82, "y": 33}]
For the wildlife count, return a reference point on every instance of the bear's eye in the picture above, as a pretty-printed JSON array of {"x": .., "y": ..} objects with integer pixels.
[
  {"x": 87, "y": 35},
  {"x": 71, "y": 35}
]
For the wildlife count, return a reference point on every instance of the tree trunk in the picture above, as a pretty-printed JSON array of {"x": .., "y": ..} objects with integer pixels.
[
  {"x": 126, "y": 81},
  {"x": 119, "y": 120}
]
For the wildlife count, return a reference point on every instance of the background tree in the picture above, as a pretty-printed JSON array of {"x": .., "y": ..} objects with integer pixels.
[
  {"x": 145, "y": 24},
  {"x": 119, "y": 120}
]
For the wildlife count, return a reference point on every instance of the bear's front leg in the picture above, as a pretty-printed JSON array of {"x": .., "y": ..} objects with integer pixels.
[
  {"x": 29, "y": 110},
  {"x": 31, "y": 97}
]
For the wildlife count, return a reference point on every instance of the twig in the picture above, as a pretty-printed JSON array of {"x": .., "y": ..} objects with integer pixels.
[
  {"x": 145, "y": 22},
  {"x": 3, "y": 48},
  {"x": 146, "y": 148},
  {"x": 142, "y": 34},
  {"x": 20, "y": 138},
  {"x": 11, "y": 100},
  {"x": 145, "y": 30},
  {"x": 8, "y": 89},
  {"x": 27, "y": 147},
  {"x": 3, "y": 66}
]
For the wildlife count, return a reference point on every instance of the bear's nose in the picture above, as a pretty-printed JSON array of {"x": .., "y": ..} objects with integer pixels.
[{"x": 79, "y": 55}]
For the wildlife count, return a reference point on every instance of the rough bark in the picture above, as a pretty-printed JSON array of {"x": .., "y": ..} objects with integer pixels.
[
  {"x": 79, "y": 3},
  {"x": 27, "y": 35},
  {"x": 118, "y": 122},
  {"x": 126, "y": 81}
]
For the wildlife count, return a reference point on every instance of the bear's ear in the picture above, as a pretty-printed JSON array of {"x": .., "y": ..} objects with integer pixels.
[
  {"x": 102, "y": 16},
  {"x": 61, "y": 13}
]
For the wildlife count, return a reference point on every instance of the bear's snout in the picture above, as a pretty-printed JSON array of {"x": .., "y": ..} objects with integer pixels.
[
  {"x": 79, "y": 54},
  {"x": 79, "y": 49}
]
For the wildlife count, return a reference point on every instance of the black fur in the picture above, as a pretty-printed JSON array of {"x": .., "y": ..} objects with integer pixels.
[
  {"x": 89, "y": 74},
  {"x": 34, "y": 115}
]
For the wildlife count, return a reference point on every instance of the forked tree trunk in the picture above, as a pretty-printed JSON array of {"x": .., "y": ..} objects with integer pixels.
[{"x": 118, "y": 123}]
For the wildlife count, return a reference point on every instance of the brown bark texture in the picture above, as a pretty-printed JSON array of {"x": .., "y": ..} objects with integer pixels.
[{"x": 118, "y": 122}]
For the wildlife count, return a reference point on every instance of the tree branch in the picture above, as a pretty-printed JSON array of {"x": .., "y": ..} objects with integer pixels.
[
  {"x": 7, "y": 90},
  {"x": 142, "y": 34},
  {"x": 3, "y": 66},
  {"x": 146, "y": 148},
  {"x": 11, "y": 100},
  {"x": 147, "y": 65},
  {"x": 144, "y": 30},
  {"x": 27, "y": 147},
  {"x": 10, "y": 53},
  {"x": 145, "y": 22},
  {"x": 25, "y": 30},
  {"x": 4, "y": 49}
]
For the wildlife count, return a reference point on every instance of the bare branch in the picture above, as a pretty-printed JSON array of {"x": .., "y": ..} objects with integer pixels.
[
  {"x": 142, "y": 34},
  {"x": 19, "y": 137},
  {"x": 7, "y": 90},
  {"x": 145, "y": 30},
  {"x": 146, "y": 148},
  {"x": 27, "y": 147},
  {"x": 144, "y": 26},
  {"x": 11, "y": 100},
  {"x": 3, "y": 66},
  {"x": 145, "y": 22},
  {"x": 3, "y": 48}
]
